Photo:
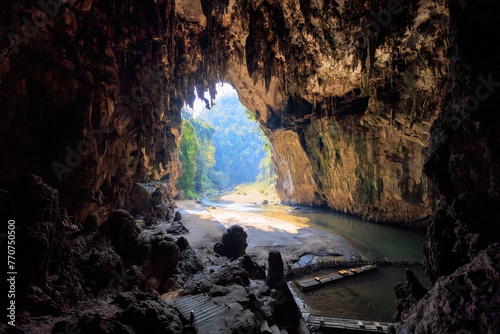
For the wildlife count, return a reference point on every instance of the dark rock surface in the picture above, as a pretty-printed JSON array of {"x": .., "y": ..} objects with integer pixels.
[
  {"x": 285, "y": 310},
  {"x": 177, "y": 228},
  {"x": 147, "y": 313},
  {"x": 407, "y": 294},
  {"x": 275, "y": 271},
  {"x": 466, "y": 301},
  {"x": 464, "y": 163},
  {"x": 233, "y": 244},
  {"x": 121, "y": 229}
]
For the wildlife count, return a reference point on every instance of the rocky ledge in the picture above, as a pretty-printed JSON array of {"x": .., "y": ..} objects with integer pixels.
[{"x": 124, "y": 275}]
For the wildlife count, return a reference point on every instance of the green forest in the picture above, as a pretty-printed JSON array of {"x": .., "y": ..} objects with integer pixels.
[{"x": 221, "y": 148}]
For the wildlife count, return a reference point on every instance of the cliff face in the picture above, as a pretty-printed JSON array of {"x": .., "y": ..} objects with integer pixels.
[
  {"x": 88, "y": 99},
  {"x": 93, "y": 97},
  {"x": 346, "y": 93}
]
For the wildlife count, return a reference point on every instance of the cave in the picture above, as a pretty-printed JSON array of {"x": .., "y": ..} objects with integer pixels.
[{"x": 384, "y": 110}]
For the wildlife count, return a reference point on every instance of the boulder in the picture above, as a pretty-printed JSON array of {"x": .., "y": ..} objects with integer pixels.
[
  {"x": 274, "y": 277},
  {"x": 140, "y": 200},
  {"x": 177, "y": 228},
  {"x": 177, "y": 216},
  {"x": 234, "y": 243},
  {"x": 121, "y": 229},
  {"x": 91, "y": 223}
]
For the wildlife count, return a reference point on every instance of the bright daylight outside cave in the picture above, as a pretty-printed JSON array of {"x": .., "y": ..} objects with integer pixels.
[{"x": 244, "y": 166}]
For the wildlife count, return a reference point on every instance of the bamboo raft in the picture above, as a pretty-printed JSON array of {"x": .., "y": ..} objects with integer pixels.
[
  {"x": 317, "y": 282},
  {"x": 347, "y": 325},
  {"x": 294, "y": 270}
]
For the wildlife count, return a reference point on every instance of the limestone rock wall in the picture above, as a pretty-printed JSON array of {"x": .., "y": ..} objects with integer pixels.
[
  {"x": 87, "y": 98},
  {"x": 93, "y": 97},
  {"x": 352, "y": 89},
  {"x": 347, "y": 91},
  {"x": 461, "y": 252}
]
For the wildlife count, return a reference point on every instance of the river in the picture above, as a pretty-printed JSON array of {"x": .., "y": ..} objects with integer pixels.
[{"x": 367, "y": 296}]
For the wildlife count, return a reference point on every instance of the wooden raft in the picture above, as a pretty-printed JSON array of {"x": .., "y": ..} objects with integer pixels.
[
  {"x": 342, "y": 324},
  {"x": 316, "y": 282}
]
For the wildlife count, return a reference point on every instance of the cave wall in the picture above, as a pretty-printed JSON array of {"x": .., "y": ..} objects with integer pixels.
[
  {"x": 93, "y": 97},
  {"x": 461, "y": 252},
  {"x": 353, "y": 95},
  {"x": 88, "y": 98}
]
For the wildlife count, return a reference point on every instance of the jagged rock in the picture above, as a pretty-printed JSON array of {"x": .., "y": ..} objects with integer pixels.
[
  {"x": 47, "y": 280},
  {"x": 182, "y": 243},
  {"x": 407, "y": 294},
  {"x": 177, "y": 216},
  {"x": 464, "y": 302},
  {"x": 254, "y": 270},
  {"x": 146, "y": 313},
  {"x": 151, "y": 221},
  {"x": 234, "y": 243},
  {"x": 285, "y": 310},
  {"x": 62, "y": 326},
  {"x": 158, "y": 197},
  {"x": 189, "y": 263},
  {"x": 140, "y": 200},
  {"x": 158, "y": 256},
  {"x": 348, "y": 114},
  {"x": 121, "y": 229},
  {"x": 177, "y": 228},
  {"x": 274, "y": 277},
  {"x": 91, "y": 223}
]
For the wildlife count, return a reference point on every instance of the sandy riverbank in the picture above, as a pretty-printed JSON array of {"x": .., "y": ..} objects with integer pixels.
[
  {"x": 292, "y": 237},
  {"x": 254, "y": 194}
]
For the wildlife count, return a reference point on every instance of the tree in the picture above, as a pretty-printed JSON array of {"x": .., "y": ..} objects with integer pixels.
[
  {"x": 230, "y": 148},
  {"x": 188, "y": 153}
]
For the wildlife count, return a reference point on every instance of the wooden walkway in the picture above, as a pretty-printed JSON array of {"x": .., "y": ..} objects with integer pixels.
[
  {"x": 317, "y": 282},
  {"x": 198, "y": 308},
  {"x": 346, "y": 325},
  {"x": 295, "y": 270}
]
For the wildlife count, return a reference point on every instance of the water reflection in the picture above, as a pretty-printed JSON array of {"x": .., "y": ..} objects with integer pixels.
[
  {"x": 373, "y": 241},
  {"x": 369, "y": 295}
]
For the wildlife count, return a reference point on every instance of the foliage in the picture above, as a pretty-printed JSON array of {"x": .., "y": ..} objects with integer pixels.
[
  {"x": 188, "y": 152},
  {"x": 266, "y": 166},
  {"x": 238, "y": 141},
  {"x": 221, "y": 148},
  {"x": 205, "y": 160}
]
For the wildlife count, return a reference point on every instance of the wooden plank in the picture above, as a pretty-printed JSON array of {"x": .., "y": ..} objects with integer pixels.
[
  {"x": 364, "y": 326},
  {"x": 191, "y": 303},
  {"x": 319, "y": 281},
  {"x": 206, "y": 309},
  {"x": 202, "y": 314},
  {"x": 209, "y": 316}
]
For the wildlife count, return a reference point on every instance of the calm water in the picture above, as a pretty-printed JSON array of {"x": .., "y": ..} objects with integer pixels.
[
  {"x": 372, "y": 241},
  {"x": 367, "y": 296}
]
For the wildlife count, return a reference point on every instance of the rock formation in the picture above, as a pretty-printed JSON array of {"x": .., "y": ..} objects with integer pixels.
[
  {"x": 275, "y": 271},
  {"x": 285, "y": 310},
  {"x": 463, "y": 235},
  {"x": 347, "y": 101},
  {"x": 233, "y": 244}
]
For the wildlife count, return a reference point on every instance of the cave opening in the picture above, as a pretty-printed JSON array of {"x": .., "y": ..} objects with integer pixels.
[{"x": 222, "y": 147}]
